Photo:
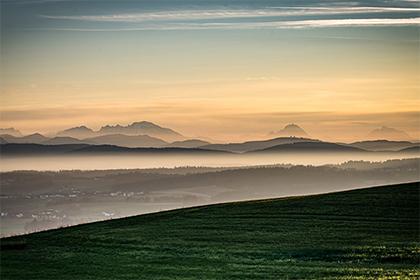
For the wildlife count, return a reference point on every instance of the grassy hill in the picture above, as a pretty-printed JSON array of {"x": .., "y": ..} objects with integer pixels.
[{"x": 366, "y": 233}]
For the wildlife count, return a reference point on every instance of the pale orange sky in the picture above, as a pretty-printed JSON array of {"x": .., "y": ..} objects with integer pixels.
[{"x": 229, "y": 84}]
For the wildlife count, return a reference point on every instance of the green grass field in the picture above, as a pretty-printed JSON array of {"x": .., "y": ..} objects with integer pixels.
[{"x": 367, "y": 233}]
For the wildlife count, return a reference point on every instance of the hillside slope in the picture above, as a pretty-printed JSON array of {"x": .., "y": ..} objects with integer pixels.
[{"x": 366, "y": 233}]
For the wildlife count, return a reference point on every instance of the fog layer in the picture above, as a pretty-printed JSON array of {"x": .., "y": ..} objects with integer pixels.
[
  {"x": 34, "y": 201},
  {"x": 121, "y": 161}
]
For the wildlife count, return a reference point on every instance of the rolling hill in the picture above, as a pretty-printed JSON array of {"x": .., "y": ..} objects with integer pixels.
[
  {"x": 130, "y": 141},
  {"x": 382, "y": 145},
  {"x": 79, "y": 132},
  {"x": 24, "y": 149},
  {"x": 256, "y": 145},
  {"x": 35, "y": 138},
  {"x": 309, "y": 147},
  {"x": 117, "y": 149},
  {"x": 414, "y": 149},
  {"x": 64, "y": 140},
  {"x": 365, "y": 233},
  {"x": 12, "y": 149},
  {"x": 191, "y": 143}
]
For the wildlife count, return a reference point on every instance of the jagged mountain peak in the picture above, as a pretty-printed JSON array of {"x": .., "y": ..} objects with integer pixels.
[
  {"x": 388, "y": 133},
  {"x": 143, "y": 128},
  {"x": 291, "y": 130},
  {"x": 11, "y": 131}
]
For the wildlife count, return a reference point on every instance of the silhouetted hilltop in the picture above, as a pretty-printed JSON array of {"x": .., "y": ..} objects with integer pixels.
[
  {"x": 306, "y": 147},
  {"x": 65, "y": 140},
  {"x": 112, "y": 139},
  {"x": 39, "y": 149},
  {"x": 414, "y": 149},
  {"x": 163, "y": 150},
  {"x": 35, "y": 138},
  {"x": 382, "y": 145},
  {"x": 191, "y": 143},
  {"x": 256, "y": 145},
  {"x": 131, "y": 141}
]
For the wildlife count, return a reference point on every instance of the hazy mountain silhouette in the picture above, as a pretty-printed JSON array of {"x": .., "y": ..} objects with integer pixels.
[
  {"x": 111, "y": 139},
  {"x": 290, "y": 130},
  {"x": 134, "y": 129},
  {"x": 388, "y": 133},
  {"x": 414, "y": 149},
  {"x": 143, "y": 128},
  {"x": 35, "y": 138},
  {"x": 35, "y": 149},
  {"x": 382, "y": 145},
  {"x": 2, "y": 141},
  {"x": 79, "y": 132},
  {"x": 11, "y": 131},
  {"x": 131, "y": 141},
  {"x": 308, "y": 147},
  {"x": 256, "y": 145},
  {"x": 39, "y": 149},
  {"x": 191, "y": 143},
  {"x": 63, "y": 140},
  {"x": 116, "y": 149}
]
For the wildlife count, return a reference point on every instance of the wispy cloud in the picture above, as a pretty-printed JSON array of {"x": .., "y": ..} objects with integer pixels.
[
  {"x": 219, "y": 14},
  {"x": 319, "y": 23},
  {"x": 351, "y": 22},
  {"x": 34, "y": 2}
]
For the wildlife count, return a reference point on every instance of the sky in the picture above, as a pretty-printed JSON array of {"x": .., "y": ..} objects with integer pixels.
[{"x": 224, "y": 70}]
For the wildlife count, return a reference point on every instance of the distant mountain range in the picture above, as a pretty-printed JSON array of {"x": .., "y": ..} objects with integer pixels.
[
  {"x": 134, "y": 129},
  {"x": 35, "y": 138},
  {"x": 143, "y": 128},
  {"x": 130, "y": 141},
  {"x": 145, "y": 134}
]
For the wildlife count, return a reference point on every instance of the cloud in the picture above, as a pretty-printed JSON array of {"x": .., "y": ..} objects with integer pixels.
[
  {"x": 220, "y": 14},
  {"x": 351, "y": 22},
  {"x": 318, "y": 23},
  {"x": 34, "y": 2},
  {"x": 266, "y": 18}
]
